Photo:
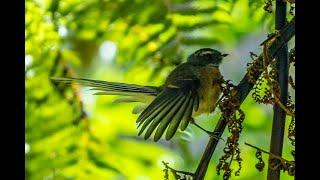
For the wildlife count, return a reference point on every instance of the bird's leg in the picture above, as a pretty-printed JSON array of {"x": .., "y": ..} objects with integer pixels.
[
  {"x": 211, "y": 134},
  {"x": 197, "y": 125}
]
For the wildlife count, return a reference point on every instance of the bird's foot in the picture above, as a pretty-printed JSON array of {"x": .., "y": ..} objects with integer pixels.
[
  {"x": 211, "y": 134},
  {"x": 215, "y": 135}
]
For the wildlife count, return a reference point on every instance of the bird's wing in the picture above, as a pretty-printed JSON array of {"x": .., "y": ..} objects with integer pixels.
[
  {"x": 171, "y": 108},
  {"x": 135, "y": 93}
]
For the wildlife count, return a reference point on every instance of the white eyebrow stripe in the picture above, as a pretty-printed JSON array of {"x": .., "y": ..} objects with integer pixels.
[{"x": 206, "y": 52}]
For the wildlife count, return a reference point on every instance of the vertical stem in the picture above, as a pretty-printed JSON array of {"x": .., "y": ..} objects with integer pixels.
[{"x": 279, "y": 115}]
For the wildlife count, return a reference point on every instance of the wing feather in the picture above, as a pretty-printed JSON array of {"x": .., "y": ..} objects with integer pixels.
[
  {"x": 160, "y": 117},
  {"x": 163, "y": 96},
  {"x": 179, "y": 117},
  {"x": 169, "y": 117},
  {"x": 187, "y": 114},
  {"x": 156, "y": 108},
  {"x": 173, "y": 107}
]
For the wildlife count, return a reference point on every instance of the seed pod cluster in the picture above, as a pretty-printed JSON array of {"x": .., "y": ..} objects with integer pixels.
[
  {"x": 234, "y": 116},
  {"x": 260, "y": 165},
  {"x": 268, "y": 6}
]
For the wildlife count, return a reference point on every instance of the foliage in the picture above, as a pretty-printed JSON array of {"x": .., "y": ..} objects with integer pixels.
[{"x": 71, "y": 134}]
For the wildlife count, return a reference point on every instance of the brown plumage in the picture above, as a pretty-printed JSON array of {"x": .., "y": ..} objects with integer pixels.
[{"x": 209, "y": 90}]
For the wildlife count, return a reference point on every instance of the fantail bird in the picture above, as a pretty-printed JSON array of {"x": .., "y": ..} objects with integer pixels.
[{"x": 191, "y": 89}]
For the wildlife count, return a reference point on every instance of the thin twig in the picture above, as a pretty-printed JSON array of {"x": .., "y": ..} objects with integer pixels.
[
  {"x": 177, "y": 171},
  {"x": 271, "y": 154}
]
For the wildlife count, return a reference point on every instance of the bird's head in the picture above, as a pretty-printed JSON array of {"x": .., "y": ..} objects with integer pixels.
[{"x": 206, "y": 56}]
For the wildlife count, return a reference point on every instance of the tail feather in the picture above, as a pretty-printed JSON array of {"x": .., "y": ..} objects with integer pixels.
[
  {"x": 110, "y": 88},
  {"x": 126, "y": 99},
  {"x": 138, "y": 109}
]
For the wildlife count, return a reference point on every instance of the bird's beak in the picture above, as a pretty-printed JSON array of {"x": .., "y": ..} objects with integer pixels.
[{"x": 224, "y": 55}]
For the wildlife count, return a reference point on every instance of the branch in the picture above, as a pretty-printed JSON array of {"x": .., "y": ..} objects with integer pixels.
[
  {"x": 264, "y": 151},
  {"x": 282, "y": 163},
  {"x": 244, "y": 87},
  {"x": 279, "y": 115},
  {"x": 183, "y": 174}
]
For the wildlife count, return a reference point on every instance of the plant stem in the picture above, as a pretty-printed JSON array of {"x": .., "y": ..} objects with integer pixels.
[
  {"x": 279, "y": 116},
  {"x": 264, "y": 151}
]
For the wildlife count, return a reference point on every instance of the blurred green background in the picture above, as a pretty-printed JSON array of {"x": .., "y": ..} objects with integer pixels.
[{"x": 72, "y": 134}]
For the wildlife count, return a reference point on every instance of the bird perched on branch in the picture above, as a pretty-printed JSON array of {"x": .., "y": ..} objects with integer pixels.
[{"x": 191, "y": 89}]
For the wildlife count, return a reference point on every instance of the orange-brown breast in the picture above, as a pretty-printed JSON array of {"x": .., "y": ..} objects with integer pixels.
[{"x": 209, "y": 90}]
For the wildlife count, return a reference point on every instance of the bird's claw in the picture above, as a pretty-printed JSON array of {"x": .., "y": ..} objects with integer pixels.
[
  {"x": 215, "y": 135},
  {"x": 211, "y": 134}
]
